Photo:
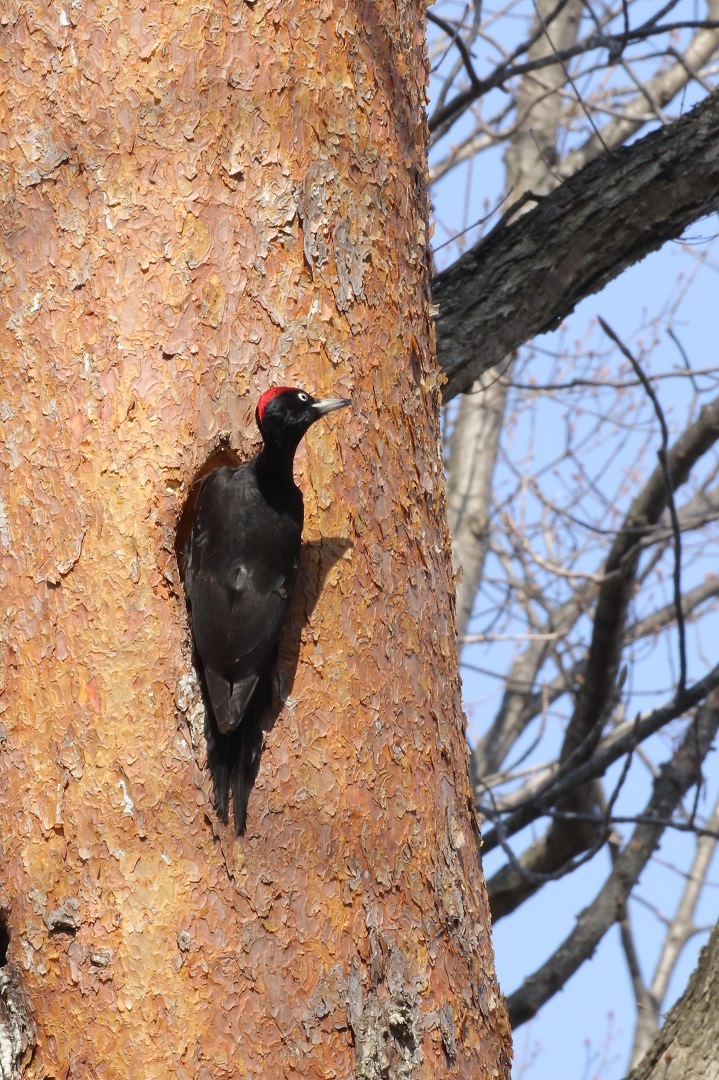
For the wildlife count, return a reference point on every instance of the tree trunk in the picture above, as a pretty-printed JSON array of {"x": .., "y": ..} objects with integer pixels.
[
  {"x": 686, "y": 1047},
  {"x": 199, "y": 203}
]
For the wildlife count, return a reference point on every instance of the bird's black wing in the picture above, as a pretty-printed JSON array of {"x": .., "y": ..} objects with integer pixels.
[
  {"x": 235, "y": 627},
  {"x": 238, "y": 597}
]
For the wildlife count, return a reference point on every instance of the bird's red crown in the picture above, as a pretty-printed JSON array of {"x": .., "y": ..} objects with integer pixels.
[{"x": 267, "y": 397}]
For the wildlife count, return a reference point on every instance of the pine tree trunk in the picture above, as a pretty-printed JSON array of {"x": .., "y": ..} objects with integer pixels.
[{"x": 200, "y": 202}]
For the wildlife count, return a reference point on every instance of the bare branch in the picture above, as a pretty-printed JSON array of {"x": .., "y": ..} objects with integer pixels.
[
  {"x": 598, "y": 686},
  {"x": 514, "y": 714},
  {"x": 603, "y": 219},
  {"x": 615, "y": 746},
  {"x": 455, "y": 37},
  {"x": 662, "y": 88},
  {"x": 441, "y": 120},
  {"x": 676, "y": 777},
  {"x": 537, "y": 700},
  {"x": 662, "y": 454},
  {"x": 645, "y": 1002}
]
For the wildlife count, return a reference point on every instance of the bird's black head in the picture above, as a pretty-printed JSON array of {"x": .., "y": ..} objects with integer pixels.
[{"x": 284, "y": 414}]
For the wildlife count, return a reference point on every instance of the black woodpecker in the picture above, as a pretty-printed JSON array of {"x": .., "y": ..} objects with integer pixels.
[{"x": 240, "y": 565}]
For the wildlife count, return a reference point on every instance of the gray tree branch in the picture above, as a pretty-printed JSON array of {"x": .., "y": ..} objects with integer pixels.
[
  {"x": 614, "y": 747},
  {"x": 685, "y": 1048},
  {"x": 608, "y": 632},
  {"x": 600, "y": 221},
  {"x": 674, "y": 780}
]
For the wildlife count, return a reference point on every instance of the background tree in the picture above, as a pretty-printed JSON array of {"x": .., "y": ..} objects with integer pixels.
[
  {"x": 587, "y": 585},
  {"x": 200, "y": 201},
  {"x": 686, "y": 1045}
]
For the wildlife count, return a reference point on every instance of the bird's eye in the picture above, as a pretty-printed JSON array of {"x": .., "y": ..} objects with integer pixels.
[{"x": 302, "y": 396}]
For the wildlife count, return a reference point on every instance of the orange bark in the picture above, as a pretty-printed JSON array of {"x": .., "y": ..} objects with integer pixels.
[{"x": 201, "y": 200}]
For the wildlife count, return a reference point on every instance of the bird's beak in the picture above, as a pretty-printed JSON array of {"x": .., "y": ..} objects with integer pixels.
[{"x": 330, "y": 404}]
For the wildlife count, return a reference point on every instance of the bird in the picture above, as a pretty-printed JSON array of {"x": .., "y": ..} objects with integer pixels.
[{"x": 241, "y": 562}]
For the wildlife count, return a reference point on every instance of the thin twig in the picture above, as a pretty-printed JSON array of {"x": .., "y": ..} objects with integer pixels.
[
  {"x": 559, "y": 786},
  {"x": 443, "y": 118},
  {"x": 570, "y": 80},
  {"x": 452, "y": 32},
  {"x": 635, "y": 819},
  {"x": 601, "y": 384},
  {"x": 662, "y": 455}
]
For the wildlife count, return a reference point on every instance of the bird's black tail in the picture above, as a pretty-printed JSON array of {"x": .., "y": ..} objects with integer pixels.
[{"x": 233, "y": 760}]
